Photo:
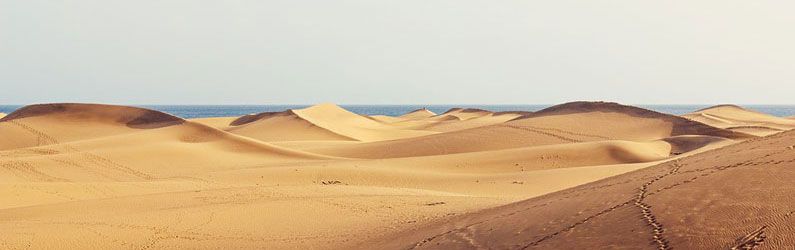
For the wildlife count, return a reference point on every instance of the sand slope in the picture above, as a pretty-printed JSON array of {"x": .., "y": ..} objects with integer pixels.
[
  {"x": 736, "y": 196},
  {"x": 736, "y": 118},
  {"x": 542, "y": 157},
  {"x": 319, "y": 122}
]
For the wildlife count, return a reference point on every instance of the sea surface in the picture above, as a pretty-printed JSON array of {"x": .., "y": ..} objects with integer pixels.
[{"x": 199, "y": 111}]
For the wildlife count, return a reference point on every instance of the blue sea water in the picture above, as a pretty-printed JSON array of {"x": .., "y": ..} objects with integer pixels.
[{"x": 198, "y": 111}]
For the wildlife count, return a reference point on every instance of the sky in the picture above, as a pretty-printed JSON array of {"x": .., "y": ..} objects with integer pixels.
[{"x": 397, "y": 52}]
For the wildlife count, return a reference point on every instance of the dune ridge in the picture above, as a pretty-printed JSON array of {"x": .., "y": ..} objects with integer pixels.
[
  {"x": 452, "y": 120},
  {"x": 680, "y": 126},
  {"x": 319, "y": 122},
  {"x": 566, "y": 123},
  {"x": 418, "y": 114},
  {"x": 130, "y": 116},
  {"x": 736, "y": 118},
  {"x": 75, "y": 121}
]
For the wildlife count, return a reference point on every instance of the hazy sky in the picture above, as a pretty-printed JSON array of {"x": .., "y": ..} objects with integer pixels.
[{"x": 397, "y": 52}]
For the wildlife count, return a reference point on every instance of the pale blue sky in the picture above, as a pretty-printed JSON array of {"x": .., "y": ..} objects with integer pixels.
[{"x": 396, "y": 52}]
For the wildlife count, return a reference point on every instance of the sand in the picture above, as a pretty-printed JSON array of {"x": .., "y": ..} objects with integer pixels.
[
  {"x": 736, "y": 197},
  {"x": 562, "y": 124},
  {"x": 90, "y": 176},
  {"x": 740, "y": 119},
  {"x": 319, "y": 122},
  {"x": 418, "y": 114}
]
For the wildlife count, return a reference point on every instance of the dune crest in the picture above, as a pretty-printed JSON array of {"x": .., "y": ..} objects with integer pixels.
[
  {"x": 457, "y": 119},
  {"x": 562, "y": 124},
  {"x": 74, "y": 121},
  {"x": 466, "y": 113},
  {"x": 736, "y": 118},
  {"x": 418, "y": 114},
  {"x": 65, "y": 123},
  {"x": 319, "y": 122},
  {"x": 583, "y": 113},
  {"x": 129, "y": 116},
  {"x": 454, "y": 119}
]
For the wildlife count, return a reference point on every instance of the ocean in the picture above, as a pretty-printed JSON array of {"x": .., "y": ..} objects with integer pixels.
[{"x": 199, "y": 111}]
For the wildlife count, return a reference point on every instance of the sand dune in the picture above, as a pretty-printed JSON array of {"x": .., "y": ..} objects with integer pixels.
[
  {"x": 616, "y": 121},
  {"x": 461, "y": 124},
  {"x": 282, "y": 126},
  {"x": 453, "y": 120},
  {"x": 418, "y": 114},
  {"x": 52, "y": 132},
  {"x": 739, "y": 119},
  {"x": 407, "y": 120},
  {"x": 88, "y": 176},
  {"x": 737, "y": 196},
  {"x": 319, "y": 122},
  {"x": 566, "y": 123},
  {"x": 2, "y": 115},
  {"x": 70, "y": 122},
  {"x": 67, "y": 124},
  {"x": 221, "y": 123}
]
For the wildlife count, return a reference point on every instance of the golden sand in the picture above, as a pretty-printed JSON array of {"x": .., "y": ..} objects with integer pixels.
[{"x": 89, "y": 176}]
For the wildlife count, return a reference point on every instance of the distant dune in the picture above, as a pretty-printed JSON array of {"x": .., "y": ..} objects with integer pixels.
[
  {"x": 92, "y": 176},
  {"x": 418, "y": 114},
  {"x": 407, "y": 118},
  {"x": 319, "y": 122},
  {"x": 621, "y": 121},
  {"x": 567, "y": 123},
  {"x": 453, "y": 120},
  {"x": 740, "y": 119},
  {"x": 460, "y": 119}
]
